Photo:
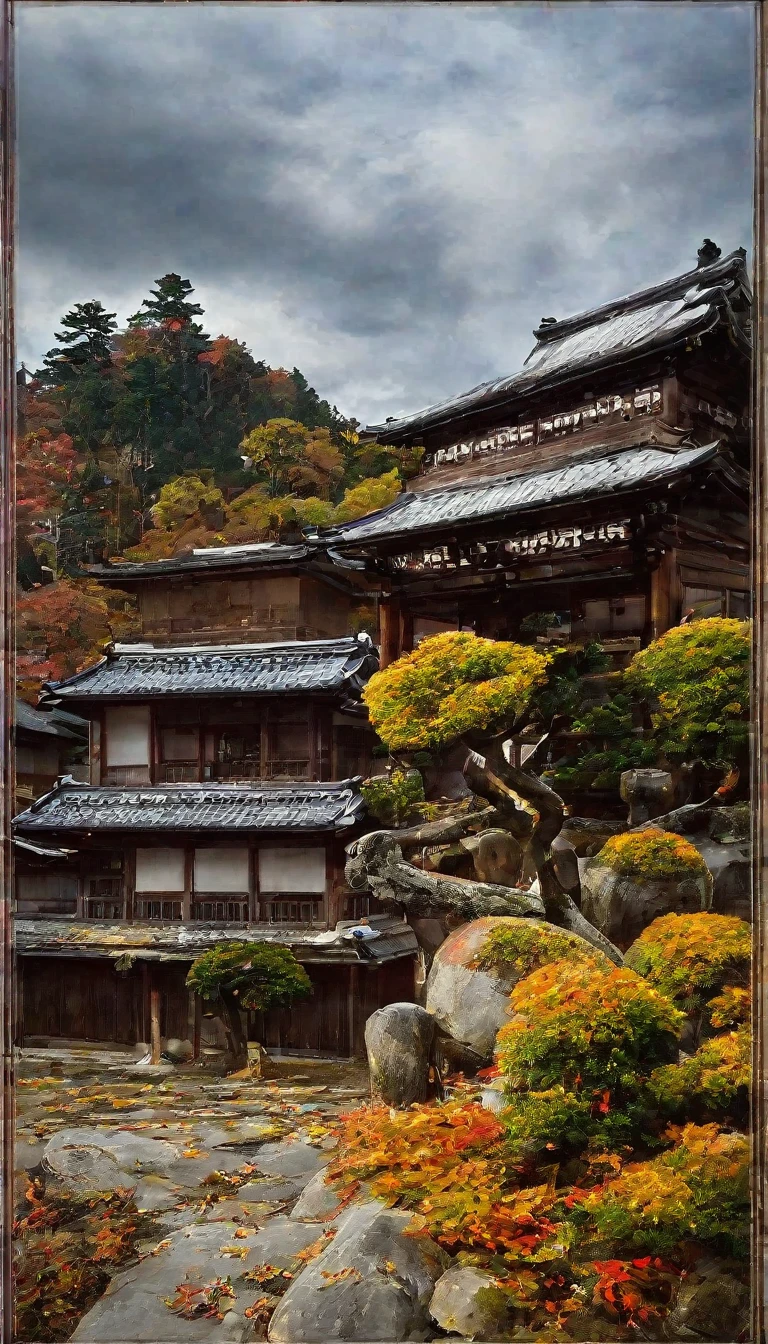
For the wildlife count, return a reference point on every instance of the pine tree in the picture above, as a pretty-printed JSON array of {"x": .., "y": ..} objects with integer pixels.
[
  {"x": 86, "y": 341},
  {"x": 168, "y": 304}
]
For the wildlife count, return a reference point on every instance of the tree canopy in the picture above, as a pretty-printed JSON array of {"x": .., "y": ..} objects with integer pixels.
[
  {"x": 242, "y": 975},
  {"x": 696, "y": 680},
  {"x": 453, "y": 684}
]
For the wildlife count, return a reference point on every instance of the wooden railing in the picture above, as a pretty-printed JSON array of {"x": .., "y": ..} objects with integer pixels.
[
  {"x": 291, "y": 910},
  {"x": 165, "y": 909},
  {"x": 284, "y": 769},
  {"x": 179, "y": 772},
  {"x": 236, "y": 770},
  {"x": 105, "y": 898},
  {"x": 220, "y": 909},
  {"x": 104, "y": 907},
  {"x": 356, "y": 907},
  {"x": 125, "y": 776}
]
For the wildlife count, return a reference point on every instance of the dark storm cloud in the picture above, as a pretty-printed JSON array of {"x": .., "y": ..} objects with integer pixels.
[{"x": 390, "y": 197}]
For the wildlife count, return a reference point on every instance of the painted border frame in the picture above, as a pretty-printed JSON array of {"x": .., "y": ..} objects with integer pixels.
[
  {"x": 7, "y": 642},
  {"x": 759, "y": 510}
]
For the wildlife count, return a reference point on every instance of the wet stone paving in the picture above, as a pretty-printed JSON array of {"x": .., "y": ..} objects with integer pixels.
[{"x": 154, "y": 1203}]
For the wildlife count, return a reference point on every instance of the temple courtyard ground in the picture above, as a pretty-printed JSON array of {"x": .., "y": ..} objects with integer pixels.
[{"x": 215, "y": 1165}]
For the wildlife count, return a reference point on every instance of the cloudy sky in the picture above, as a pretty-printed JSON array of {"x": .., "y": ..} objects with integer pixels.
[{"x": 388, "y": 196}]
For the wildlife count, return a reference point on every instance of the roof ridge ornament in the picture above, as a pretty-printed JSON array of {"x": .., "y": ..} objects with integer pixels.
[{"x": 708, "y": 253}]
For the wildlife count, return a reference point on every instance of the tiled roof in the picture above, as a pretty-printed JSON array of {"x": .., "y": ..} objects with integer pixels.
[
  {"x": 66, "y": 726},
  {"x": 182, "y": 942},
  {"x": 194, "y": 807},
  {"x": 257, "y": 555},
  {"x": 322, "y": 666},
  {"x": 506, "y": 496},
  {"x": 662, "y": 315}
]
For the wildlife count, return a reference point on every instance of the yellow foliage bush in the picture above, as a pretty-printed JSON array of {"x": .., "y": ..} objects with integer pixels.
[
  {"x": 451, "y": 684},
  {"x": 652, "y": 853}
]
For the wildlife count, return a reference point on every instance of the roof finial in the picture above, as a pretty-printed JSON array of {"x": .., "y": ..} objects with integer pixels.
[
  {"x": 708, "y": 252},
  {"x": 548, "y": 322}
]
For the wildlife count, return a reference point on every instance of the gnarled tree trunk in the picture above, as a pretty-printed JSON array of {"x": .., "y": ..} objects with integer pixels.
[{"x": 237, "y": 1044}]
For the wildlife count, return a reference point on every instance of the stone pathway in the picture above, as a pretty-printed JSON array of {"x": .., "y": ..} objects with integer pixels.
[{"x": 215, "y": 1165}]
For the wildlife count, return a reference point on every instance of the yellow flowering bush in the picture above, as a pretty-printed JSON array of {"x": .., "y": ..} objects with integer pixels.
[
  {"x": 696, "y": 680},
  {"x": 652, "y": 853},
  {"x": 450, "y": 685},
  {"x": 576, "y": 1025},
  {"x": 691, "y": 957}
]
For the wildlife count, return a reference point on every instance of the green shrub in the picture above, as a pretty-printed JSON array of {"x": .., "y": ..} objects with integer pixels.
[
  {"x": 260, "y": 975},
  {"x": 697, "y": 1191},
  {"x": 393, "y": 799},
  {"x": 696, "y": 680},
  {"x": 715, "y": 1080}
]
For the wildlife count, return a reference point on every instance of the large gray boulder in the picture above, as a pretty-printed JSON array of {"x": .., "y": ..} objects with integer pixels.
[
  {"x": 133, "y": 1306},
  {"x": 730, "y": 864},
  {"x": 710, "y": 1306},
  {"x": 621, "y": 907},
  {"x": 467, "y": 1302},
  {"x": 470, "y": 1005},
  {"x": 373, "y": 1282},
  {"x": 398, "y": 1039}
]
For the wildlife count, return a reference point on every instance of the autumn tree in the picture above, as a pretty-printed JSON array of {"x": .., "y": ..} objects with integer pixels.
[
  {"x": 454, "y": 689},
  {"x": 368, "y": 495},
  {"x": 65, "y": 626},
  {"x": 45, "y": 468},
  {"x": 240, "y": 976},
  {"x": 187, "y": 496},
  {"x": 366, "y": 458},
  {"x": 276, "y": 450}
]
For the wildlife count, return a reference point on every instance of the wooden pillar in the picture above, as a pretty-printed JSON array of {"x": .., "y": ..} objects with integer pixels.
[
  {"x": 390, "y": 632},
  {"x": 665, "y": 594},
  {"x": 154, "y": 1022},
  {"x": 351, "y": 1005},
  {"x": 189, "y": 882},
  {"x": 197, "y": 1027}
]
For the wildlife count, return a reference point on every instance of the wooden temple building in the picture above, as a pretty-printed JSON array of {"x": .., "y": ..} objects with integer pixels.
[
  {"x": 602, "y": 491},
  {"x": 224, "y": 785}
]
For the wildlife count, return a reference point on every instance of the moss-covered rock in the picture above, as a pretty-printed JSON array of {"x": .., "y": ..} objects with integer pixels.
[
  {"x": 639, "y": 876},
  {"x": 478, "y": 965}
]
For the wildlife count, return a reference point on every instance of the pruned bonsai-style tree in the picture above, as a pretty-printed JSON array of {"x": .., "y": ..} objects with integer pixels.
[
  {"x": 241, "y": 976},
  {"x": 457, "y": 688},
  {"x": 695, "y": 680}
]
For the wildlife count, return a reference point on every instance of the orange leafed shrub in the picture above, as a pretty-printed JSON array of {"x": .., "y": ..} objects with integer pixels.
[{"x": 448, "y": 1163}]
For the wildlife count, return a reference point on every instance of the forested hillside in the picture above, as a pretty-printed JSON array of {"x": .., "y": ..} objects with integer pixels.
[{"x": 150, "y": 438}]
